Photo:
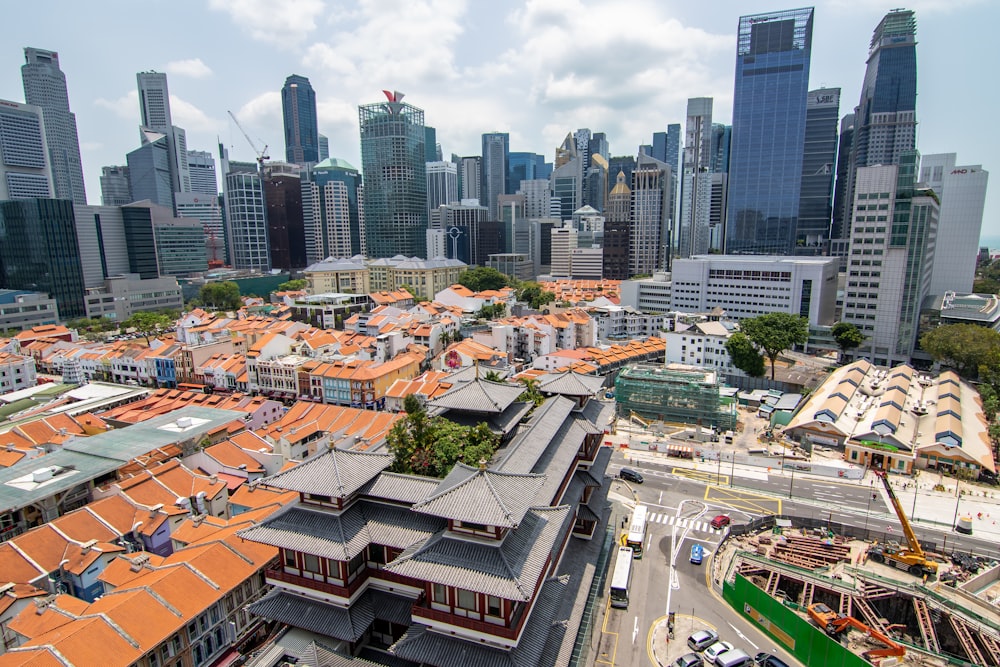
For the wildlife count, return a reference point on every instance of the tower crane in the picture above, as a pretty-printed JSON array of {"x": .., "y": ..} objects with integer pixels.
[{"x": 261, "y": 155}]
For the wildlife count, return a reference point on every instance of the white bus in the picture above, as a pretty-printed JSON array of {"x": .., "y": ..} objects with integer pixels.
[
  {"x": 621, "y": 579},
  {"x": 637, "y": 531}
]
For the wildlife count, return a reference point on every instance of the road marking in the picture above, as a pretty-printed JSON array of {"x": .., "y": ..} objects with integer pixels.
[
  {"x": 743, "y": 636},
  {"x": 635, "y": 629},
  {"x": 672, "y": 520},
  {"x": 604, "y": 630},
  {"x": 747, "y": 501}
]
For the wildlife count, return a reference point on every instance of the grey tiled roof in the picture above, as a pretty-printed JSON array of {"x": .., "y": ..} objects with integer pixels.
[
  {"x": 423, "y": 645},
  {"x": 535, "y": 437},
  {"x": 318, "y": 655},
  {"x": 338, "y": 473},
  {"x": 502, "y": 423},
  {"x": 393, "y": 608},
  {"x": 400, "y": 488},
  {"x": 343, "y": 536},
  {"x": 588, "y": 514},
  {"x": 482, "y": 496},
  {"x": 509, "y": 570},
  {"x": 478, "y": 396},
  {"x": 558, "y": 461},
  {"x": 588, "y": 478},
  {"x": 599, "y": 413},
  {"x": 570, "y": 384},
  {"x": 347, "y": 624}
]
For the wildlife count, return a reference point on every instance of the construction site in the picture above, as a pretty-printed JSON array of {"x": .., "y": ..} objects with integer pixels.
[
  {"x": 674, "y": 393},
  {"x": 833, "y": 597}
]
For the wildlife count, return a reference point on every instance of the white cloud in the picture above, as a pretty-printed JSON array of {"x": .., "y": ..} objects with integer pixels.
[
  {"x": 920, "y": 6},
  {"x": 126, "y": 106},
  {"x": 284, "y": 24},
  {"x": 188, "y": 116},
  {"x": 193, "y": 68}
]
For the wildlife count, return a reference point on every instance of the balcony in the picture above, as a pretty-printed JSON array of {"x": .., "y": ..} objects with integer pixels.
[
  {"x": 509, "y": 633},
  {"x": 321, "y": 586}
]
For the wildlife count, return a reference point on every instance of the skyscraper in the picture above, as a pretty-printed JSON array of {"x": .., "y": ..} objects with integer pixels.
[
  {"x": 202, "y": 167},
  {"x": 39, "y": 251},
  {"x": 442, "y": 184},
  {"x": 207, "y": 209},
  {"x": 115, "y": 187},
  {"x": 324, "y": 147},
  {"x": 285, "y": 226},
  {"x": 298, "y": 107},
  {"x": 45, "y": 87},
  {"x": 496, "y": 149},
  {"x": 962, "y": 190},
  {"x": 150, "y": 170},
  {"x": 331, "y": 209},
  {"x": 885, "y": 120},
  {"x": 567, "y": 178},
  {"x": 838, "y": 230},
  {"x": 769, "y": 118},
  {"x": 470, "y": 176},
  {"x": 393, "y": 158},
  {"x": 24, "y": 157},
  {"x": 154, "y": 111},
  {"x": 649, "y": 226},
  {"x": 245, "y": 214},
  {"x": 616, "y": 230},
  {"x": 819, "y": 161},
  {"x": 892, "y": 245},
  {"x": 696, "y": 187}
]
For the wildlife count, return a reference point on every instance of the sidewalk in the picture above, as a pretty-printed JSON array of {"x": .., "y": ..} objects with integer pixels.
[{"x": 934, "y": 509}]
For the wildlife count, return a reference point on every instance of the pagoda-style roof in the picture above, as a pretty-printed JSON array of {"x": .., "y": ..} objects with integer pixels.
[
  {"x": 509, "y": 569},
  {"x": 538, "y": 644},
  {"x": 482, "y": 496},
  {"x": 570, "y": 384},
  {"x": 478, "y": 396},
  {"x": 344, "y": 623},
  {"x": 338, "y": 473},
  {"x": 535, "y": 437},
  {"x": 400, "y": 488}
]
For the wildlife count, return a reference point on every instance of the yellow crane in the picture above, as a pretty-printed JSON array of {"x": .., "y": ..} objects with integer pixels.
[{"x": 911, "y": 557}]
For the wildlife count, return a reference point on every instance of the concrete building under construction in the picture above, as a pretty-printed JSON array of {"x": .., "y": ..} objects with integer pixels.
[{"x": 675, "y": 393}]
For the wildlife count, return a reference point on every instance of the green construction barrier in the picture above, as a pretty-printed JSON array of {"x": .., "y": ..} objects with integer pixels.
[{"x": 809, "y": 644}]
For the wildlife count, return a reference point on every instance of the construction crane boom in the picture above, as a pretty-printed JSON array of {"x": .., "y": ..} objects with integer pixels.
[
  {"x": 911, "y": 538},
  {"x": 261, "y": 155}
]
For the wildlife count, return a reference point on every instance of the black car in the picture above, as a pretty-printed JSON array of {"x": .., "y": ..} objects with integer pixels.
[
  {"x": 768, "y": 660},
  {"x": 630, "y": 475}
]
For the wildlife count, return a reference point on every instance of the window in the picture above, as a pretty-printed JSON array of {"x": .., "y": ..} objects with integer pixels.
[
  {"x": 289, "y": 557},
  {"x": 354, "y": 565},
  {"x": 439, "y": 593},
  {"x": 467, "y": 600},
  {"x": 494, "y": 607},
  {"x": 311, "y": 563}
]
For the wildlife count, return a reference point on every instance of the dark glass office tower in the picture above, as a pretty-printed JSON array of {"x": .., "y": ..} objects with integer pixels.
[
  {"x": 838, "y": 229},
  {"x": 769, "y": 121},
  {"x": 496, "y": 162},
  {"x": 39, "y": 251},
  {"x": 818, "y": 168},
  {"x": 394, "y": 166},
  {"x": 298, "y": 106}
]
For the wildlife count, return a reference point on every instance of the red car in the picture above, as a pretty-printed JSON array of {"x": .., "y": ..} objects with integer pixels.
[{"x": 720, "y": 521}]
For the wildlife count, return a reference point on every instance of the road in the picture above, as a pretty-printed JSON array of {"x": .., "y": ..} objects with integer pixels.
[{"x": 681, "y": 503}]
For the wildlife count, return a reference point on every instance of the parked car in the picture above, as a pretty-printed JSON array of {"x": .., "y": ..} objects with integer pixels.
[
  {"x": 702, "y": 639},
  {"x": 734, "y": 658},
  {"x": 720, "y": 521},
  {"x": 697, "y": 553},
  {"x": 630, "y": 475},
  {"x": 687, "y": 660},
  {"x": 717, "y": 649},
  {"x": 768, "y": 660}
]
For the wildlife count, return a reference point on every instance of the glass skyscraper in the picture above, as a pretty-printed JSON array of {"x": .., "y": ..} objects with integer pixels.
[
  {"x": 393, "y": 163},
  {"x": 769, "y": 122},
  {"x": 819, "y": 160},
  {"x": 496, "y": 152},
  {"x": 298, "y": 107}
]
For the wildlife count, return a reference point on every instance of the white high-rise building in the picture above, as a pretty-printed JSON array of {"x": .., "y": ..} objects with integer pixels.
[
  {"x": 471, "y": 175},
  {"x": 563, "y": 244},
  {"x": 202, "y": 167},
  {"x": 24, "y": 158},
  {"x": 537, "y": 198},
  {"x": 205, "y": 208},
  {"x": 442, "y": 184},
  {"x": 696, "y": 196},
  {"x": 893, "y": 237},
  {"x": 649, "y": 233},
  {"x": 962, "y": 191},
  {"x": 246, "y": 216},
  {"x": 45, "y": 87}
]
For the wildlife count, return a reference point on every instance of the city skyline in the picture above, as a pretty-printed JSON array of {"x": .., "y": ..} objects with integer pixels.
[{"x": 531, "y": 73}]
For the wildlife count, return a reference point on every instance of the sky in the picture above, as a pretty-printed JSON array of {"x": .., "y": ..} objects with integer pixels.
[{"x": 534, "y": 68}]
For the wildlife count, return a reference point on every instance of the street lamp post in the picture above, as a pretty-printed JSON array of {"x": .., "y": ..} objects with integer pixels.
[
  {"x": 913, "y": 512},
  {"x": 791, "y": 482},
  {"x": 958, "y": 497},
  {"x": 869, "y": 508},
  {"x": 732, "y": 468}
]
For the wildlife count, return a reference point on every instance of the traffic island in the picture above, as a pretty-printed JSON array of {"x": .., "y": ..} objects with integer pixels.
[{"x": 662, "y": 649}]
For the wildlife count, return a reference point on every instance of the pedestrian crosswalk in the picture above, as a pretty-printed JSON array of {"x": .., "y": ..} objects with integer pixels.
[{"x": 672, "y": 520}]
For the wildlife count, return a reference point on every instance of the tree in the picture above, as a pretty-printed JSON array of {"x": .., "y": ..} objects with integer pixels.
[
  {"x": 292, "y": 285},
  {"x": 744, "y": 355},
  {"x": 847, "y": 336},
  {"x": 147, "y": 323},
  {"x": 532, "y": 294},
  {"x": 964, "y": 347},
  {"x": 483, "y": 278},
  {"x": 492, "y": 376},
  {"x": 531, "y": 393},
  {"x": 773, "y": 333},
  {"x": 221, "y": 295}
]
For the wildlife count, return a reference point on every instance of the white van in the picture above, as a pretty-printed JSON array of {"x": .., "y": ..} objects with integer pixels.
[{"x": 734, "y": 658}]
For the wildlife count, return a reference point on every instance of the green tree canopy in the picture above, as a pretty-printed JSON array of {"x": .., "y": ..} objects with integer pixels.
[
  {"x": 744, "y": 355},
  {"x": 148, "y": 323},
  {"x": 292, "y": 285},
  {"x": 221, "y": 295},
  {"x": 847, "y": 336},
  {"x": 773, "y": 333},
  {"x": 964, "y": 347},
  {"x": 531, "y": 392},
  {"x": 532, "y": 294},
  {"x": 432, "y": 446},
  {"x": 483, "y": 278}
]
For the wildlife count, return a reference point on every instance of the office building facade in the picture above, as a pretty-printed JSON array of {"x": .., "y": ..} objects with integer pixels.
[
  {"x": 207, "y": 209},
  {"x": 769, "y": 118},
  {"x": 298, "y": 109},
  {"x": 151, "y": 171},
  {"x": 332, "y": 198},
  {"x": 39, "y": 251},
  {"x": 285, "y": 223},
  {"x": 842, "y": 211},
  {"x": 442, "y": 184},
  {"x": 892, "y": 246},
  {"x": 496, "y": 150},
  {"x": 100, "y": 237},
  {"x": 202, "y": 168},
  {"x": 470, "y": 176},
  {"x": 962, "y": 191},
  {"x": 245, "y": 215},
  {"x": 393, "y": 161},
  {"x": 25, "y": 171},
  {"x": 649, "y": 229},
  {"x": 156, "y": 121},
  {"x": 693, "y": 237},
  {"x": 819, "y": 160},
  {"x": 45, "y": 87},
  {"x": 115, "y": 187}
]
